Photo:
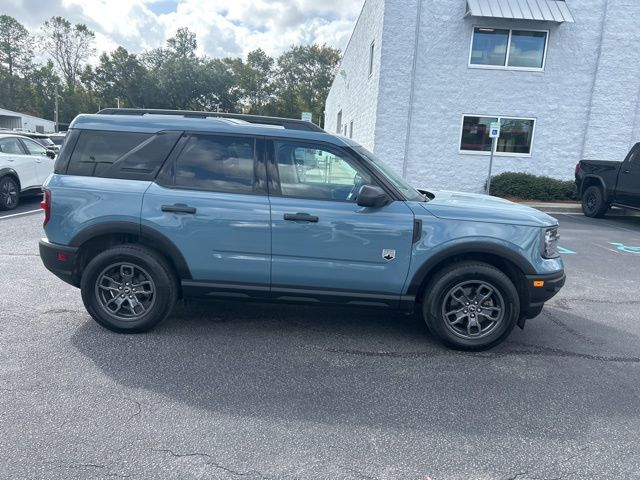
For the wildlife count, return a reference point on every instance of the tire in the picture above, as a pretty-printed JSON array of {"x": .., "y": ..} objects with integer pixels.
[
  {"x": 9, "y": 193},
  {"x": 455, "y": 289},
  {"x": 129, "y": 289},
  {"x": 593, "y": 203}
]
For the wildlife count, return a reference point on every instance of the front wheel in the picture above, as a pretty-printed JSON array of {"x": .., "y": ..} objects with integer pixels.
[
  {"x": 9, "y": 193},
  {"x": 128, "y": 289},
  {"x": 471, "y": 306}
]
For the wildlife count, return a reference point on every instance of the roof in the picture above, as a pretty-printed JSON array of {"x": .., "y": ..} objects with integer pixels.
[
  {"x": 542, "y": 10},
  {"x": 154, "y": 123},
  {"x": 11, "y": 113}
]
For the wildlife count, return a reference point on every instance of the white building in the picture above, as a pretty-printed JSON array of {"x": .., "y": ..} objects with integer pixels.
[
  {"x": 22, "y": 121},
  {"x": 421, "y": 80}
]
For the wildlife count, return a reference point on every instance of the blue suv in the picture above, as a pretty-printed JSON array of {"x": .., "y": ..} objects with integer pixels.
[{"x": 149, "y": 206}]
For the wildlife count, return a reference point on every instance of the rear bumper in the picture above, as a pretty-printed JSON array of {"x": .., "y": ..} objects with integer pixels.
[
  {"x": 59, "y": 260},
  {"x": 541, "y": 288}
]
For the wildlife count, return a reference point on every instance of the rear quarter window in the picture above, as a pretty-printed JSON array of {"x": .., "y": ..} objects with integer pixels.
[{"x": 124, "y": 155}]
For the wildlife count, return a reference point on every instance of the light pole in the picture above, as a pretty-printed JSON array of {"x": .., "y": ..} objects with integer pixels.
[{"x": 55, "y": 113}]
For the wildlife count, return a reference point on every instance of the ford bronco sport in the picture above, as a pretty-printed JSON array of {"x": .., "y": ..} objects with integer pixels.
[{"x": 148, "y": 206}]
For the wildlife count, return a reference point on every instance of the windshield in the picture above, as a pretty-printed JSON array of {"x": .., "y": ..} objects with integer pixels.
[{"x": 400, "y": 183}]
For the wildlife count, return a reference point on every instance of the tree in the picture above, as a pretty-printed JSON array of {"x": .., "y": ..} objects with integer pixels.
[
  {"x": 121, "y": 75},
  {"x": 15, "y": 53},
  {"x": 183, "y": 44},
  {"x": 69, "y": 46},
  {"x": 304, "y": 78},
  {"x": 255, "y": 81}
]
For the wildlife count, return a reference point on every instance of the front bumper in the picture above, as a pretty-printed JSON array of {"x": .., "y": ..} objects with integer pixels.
[
  {"x": 541, "y": 288},
  {"x": 59, "y": 260}
]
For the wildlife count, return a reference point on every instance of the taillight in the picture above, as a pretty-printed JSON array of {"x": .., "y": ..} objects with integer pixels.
[
  {"x": 575, "y": 174},
  {"x": 45, "y": 205}
]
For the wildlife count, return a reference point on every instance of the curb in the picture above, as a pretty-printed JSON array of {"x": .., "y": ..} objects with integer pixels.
[{"x": 576, "y": 209}]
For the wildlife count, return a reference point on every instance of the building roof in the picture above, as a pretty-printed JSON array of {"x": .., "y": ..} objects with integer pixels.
[{"x": 542, "y": 10}]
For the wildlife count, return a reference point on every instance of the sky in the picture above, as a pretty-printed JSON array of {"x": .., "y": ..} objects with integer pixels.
[{"x": 223, "y": 27}]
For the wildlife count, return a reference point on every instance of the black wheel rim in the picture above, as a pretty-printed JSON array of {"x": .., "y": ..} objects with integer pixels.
[
  {"x": 125, "y": 291},
  {"x": 8, "y": 194},
  {"x": 590, "y": 202},
  {"x": 473, "y": 309}
]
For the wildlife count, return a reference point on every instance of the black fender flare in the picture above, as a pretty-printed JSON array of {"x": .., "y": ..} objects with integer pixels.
[
  {"x": 148, "y": 234},
  {"x": 472, "y": 248},
  {"x": 10, "y": 171},
  {"x": 599, "y": 179}
]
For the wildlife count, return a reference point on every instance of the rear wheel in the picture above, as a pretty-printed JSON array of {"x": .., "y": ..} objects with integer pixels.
[
  {"x": 471, "y": 306},
  {"x": 129, "y": 289},
  {"x": 9, "y": 193},
  {"x": 593, "y": 203}
]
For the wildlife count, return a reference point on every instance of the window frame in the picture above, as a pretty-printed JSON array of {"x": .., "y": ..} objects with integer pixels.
[
  {"x": 508, "y": 53},
  {"x": 166, "y": 176},
  {"x": 372, "y": 49},
  {"x": 273, "y": 172},
  {"x": 496, "y": 153}
]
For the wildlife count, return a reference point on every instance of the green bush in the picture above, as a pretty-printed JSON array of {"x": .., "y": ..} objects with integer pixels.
[{"x": 524, "y": 186}]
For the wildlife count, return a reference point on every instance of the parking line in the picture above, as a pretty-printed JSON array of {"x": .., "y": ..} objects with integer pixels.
[
  {"x": 566, "y": 251},
  {"x": 21, "y": 213}
]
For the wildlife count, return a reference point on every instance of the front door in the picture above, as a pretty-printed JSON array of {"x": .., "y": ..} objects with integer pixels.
[
  {"x": 212, "y": 205},
  {"x": 323, "y": 243},
  {"x": 628, "y": 187}
]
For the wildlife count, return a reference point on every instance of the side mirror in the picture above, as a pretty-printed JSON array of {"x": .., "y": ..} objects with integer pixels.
[
  {"x": 372, "y": 196},
  {"x": 51, "y": 154}
]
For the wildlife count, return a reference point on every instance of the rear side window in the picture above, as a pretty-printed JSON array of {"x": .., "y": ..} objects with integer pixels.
[
  {"x": 125, "y": 155},
  {"x": 217, "y": 163},
  {"x": 12, "y": 146}
]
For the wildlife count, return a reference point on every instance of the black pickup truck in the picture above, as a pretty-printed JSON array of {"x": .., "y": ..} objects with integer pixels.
[{"x": 602, "y": 184}]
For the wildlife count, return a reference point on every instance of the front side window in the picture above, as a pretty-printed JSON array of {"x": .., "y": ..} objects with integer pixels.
[
  {"x": 510, "y": 49},
  {"x": 217, "y": 163},
  {"x": 313, "y": 172},
  {"x": 516, "y": 135},
  {"x": 11, "y": 146},
  {"x": 33, "y": 147}
]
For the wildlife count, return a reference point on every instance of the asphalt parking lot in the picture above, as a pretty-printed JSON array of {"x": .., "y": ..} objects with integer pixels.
[{"x": 233, "y": 390}]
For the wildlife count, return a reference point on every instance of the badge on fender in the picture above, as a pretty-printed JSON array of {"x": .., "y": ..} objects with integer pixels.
[{"x": 388, "y": 254}]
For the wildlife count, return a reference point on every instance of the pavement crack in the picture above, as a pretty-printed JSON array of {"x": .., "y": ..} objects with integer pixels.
[
  {"x": 210, "y": 461},
  {"x": 138, "y": 409},
  {"x": 516, "y": 475}
]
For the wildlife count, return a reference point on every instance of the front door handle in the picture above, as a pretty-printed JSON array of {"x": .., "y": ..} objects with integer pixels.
[
  {"x": 178, "y": 208},
  {"x": 300, "y": 217}
]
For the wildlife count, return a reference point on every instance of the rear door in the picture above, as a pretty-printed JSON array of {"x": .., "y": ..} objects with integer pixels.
[
  {"x": 628, "y": 187},
  {"x": 13, "y": 155},
  {"x": 43, "y": 163},
  {"x": 210, "y": 200},
  {"x": 325, "y": 246}
]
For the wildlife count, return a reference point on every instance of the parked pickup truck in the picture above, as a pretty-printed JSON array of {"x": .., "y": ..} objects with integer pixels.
[{"x": 602, "y": 184}]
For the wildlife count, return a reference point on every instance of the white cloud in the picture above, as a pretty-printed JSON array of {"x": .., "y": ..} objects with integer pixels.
[{"x": 223, "y": 27}]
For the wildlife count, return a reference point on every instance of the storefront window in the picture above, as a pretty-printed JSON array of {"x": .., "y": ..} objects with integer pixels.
[{"x": 516, "y": 135}]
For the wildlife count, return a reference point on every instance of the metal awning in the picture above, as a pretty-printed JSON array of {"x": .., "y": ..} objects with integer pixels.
[{"x": 542, "y": 10}]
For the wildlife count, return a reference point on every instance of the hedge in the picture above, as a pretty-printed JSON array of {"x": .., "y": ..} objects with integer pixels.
[{"x": 524, "y": 186}]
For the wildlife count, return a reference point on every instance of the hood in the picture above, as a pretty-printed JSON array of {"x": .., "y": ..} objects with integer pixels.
[{"x": 484, "y": 208}]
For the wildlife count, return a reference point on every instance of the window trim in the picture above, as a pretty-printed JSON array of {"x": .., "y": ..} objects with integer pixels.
[
  {"x": 506, "y": 59},
  {"x": 496, "y": 153},
  {"x": 372, "y": 47}
]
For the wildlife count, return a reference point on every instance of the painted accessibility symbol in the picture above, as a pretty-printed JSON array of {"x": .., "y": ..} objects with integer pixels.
[{"x": 626, "y": 248}]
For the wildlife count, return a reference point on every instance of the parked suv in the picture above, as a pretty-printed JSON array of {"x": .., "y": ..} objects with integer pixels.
[
  {"x": 24, "y": 166},
  {"x": 146, "y": 207}
]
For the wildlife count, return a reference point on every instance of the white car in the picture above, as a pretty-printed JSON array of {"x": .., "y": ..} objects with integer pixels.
[{"x": 24, "y": 166}]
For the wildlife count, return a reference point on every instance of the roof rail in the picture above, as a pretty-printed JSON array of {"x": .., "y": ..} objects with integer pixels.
[{"x": 288, "y": 123}]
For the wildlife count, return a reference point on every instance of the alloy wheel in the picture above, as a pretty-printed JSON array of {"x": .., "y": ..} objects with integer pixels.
[
  {"x": 125, "y": 291},
  {"x": 8, "y": 194},
  {"x": 473, "y": 309}
]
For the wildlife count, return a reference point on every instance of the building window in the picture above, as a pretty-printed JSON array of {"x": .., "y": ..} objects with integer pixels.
[
  {"x": 339, "y": 122},
  {"x": 516, "y": 135},
  {"x": 372, "y": 50},
  {"x": 351, "y": 129},
  {"x": 508, "y": 49}
]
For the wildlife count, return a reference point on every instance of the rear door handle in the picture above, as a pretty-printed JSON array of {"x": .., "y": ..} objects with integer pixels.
[
  {"x": 178, "y": 208},
  {"x": 300, "y": 217}
]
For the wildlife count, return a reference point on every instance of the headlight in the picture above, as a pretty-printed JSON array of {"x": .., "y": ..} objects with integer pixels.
[{"x": 550, "y": 243}]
